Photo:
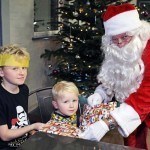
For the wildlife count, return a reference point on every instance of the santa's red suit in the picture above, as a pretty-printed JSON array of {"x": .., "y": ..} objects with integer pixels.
[
  {"x": 140, "y": 101},
  {"x": 136, "y": 109}
]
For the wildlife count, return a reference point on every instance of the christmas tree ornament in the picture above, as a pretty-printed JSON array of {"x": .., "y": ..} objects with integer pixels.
[
  {"x": 94, "y": 28},
  {"x": 81, "y": 10},
  {"x": 49, "y": 66},
  {"x": 70, "y": 47},
  {"x": 62, "y": 46},
  {"x": 61, "y": 2},
  {"x": 55, "y": 72},
  {"x": 77, "y": 56},
  {"x": 61, "y": 25},
  {"x": 95, "y": 19},
  {"x": 86, "y": 14},
  {"x": 48, "y": 28},
  {"x": 84, "y": 41},
  {"x": 75, "y": 14},
  {"x": 95, "y": 10},
  {"x": 88, "y": 3}
]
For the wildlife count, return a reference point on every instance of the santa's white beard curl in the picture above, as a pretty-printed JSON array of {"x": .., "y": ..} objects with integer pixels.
[{"x": 122, "y": 70}]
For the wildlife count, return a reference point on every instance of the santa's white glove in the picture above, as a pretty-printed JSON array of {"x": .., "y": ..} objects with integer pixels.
[
  {"x": 94, "y": 99},
  {"x": 95, "y": 131}
]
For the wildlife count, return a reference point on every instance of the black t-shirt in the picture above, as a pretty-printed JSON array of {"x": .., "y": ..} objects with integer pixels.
[{"x": 13, "y": 113}]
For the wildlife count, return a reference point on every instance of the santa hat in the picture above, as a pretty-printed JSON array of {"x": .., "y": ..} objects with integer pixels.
[{"x": 120, "y": 19}]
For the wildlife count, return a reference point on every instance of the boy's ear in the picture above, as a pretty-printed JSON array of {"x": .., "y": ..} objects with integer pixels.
[
  {"x": 55, "y": 104},
  {"x": 1, "y": 72}
]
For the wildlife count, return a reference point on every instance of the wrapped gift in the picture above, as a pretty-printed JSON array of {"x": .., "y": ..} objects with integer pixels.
[
  {"x": 61, "y": 128},
  {"x": 93, "y": 114}
]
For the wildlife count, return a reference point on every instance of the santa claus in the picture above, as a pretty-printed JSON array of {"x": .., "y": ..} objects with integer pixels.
[{"x": 125, "y": 75}]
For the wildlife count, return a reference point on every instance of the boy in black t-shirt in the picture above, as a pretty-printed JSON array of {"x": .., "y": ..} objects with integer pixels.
[{"x": 14, "y": 124}]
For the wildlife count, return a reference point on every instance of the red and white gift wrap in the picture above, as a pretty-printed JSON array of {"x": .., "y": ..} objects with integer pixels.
[
  {"x": 95, "y": 113},
  {"x": 61, "y": 128}
]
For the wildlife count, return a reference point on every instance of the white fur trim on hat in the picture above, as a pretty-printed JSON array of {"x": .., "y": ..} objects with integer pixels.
[{"x": 122, "y": 23}]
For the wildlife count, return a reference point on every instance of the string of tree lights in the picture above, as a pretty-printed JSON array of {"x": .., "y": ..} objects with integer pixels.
[
  {"x": 80, "y": 55},
  {"x": 144, "y": 9}
]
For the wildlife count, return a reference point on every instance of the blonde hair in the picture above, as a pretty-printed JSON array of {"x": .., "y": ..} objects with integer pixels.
[
  {"x": 14, "y": 49},
  {"x": 64, "y": 86},
  {"x": 14, "y": 55}
]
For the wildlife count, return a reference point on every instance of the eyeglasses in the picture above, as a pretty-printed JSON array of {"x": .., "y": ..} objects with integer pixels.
[{"x": 121, "y": 39}]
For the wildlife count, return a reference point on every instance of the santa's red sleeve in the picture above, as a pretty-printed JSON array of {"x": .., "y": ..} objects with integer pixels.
[{"x": 136, "y": 108}]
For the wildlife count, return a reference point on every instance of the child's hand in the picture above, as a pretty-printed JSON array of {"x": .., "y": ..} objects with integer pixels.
[
  {"x": 94, "y": 99},
  {"x": 40, "y": 126},
  {"x": 32, "y": 132}
]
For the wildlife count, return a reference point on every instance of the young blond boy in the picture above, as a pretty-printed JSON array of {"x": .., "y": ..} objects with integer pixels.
[{"x": 65, "y": 101}]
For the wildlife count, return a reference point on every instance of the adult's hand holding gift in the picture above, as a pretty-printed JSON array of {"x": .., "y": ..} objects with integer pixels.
[
  {"x": 94, "y": 114},
  {"x": 94, "y": 99},
  {"x": 95, "y": 131}
]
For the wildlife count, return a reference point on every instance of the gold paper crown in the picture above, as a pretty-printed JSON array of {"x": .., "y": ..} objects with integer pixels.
[{"x": 12, "y": 60}]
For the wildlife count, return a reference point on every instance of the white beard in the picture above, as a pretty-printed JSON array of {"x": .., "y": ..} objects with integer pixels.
[{"x": 122, "y": 70}]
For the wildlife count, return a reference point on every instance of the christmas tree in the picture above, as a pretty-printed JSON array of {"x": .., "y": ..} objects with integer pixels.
[
  {"x": 144, "y": 10},
  {"x": 80, "y": 55}
]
